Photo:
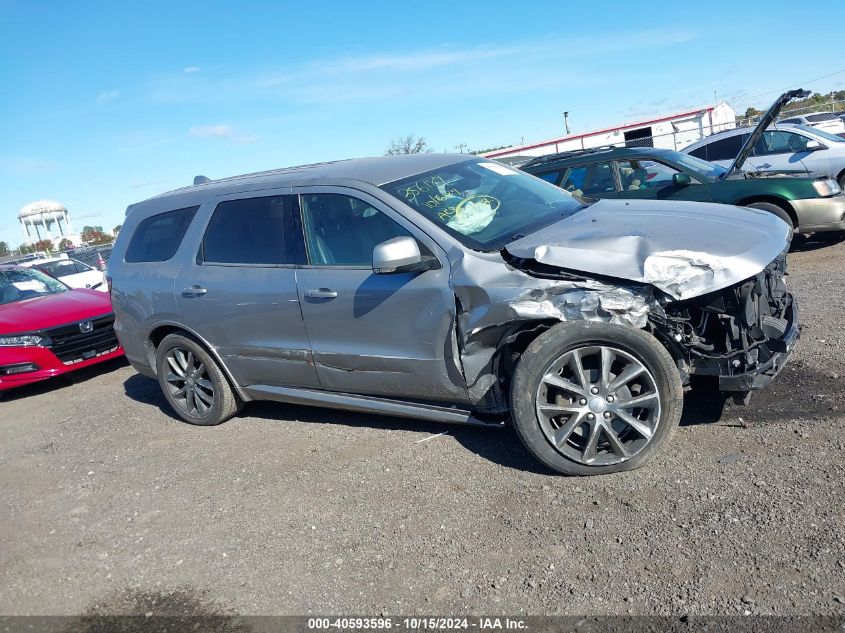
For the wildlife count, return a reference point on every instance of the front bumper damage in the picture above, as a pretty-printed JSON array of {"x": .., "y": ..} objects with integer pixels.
[{"x": 743, "y": 335}]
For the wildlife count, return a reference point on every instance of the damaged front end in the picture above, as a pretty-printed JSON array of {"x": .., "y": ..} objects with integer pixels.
[{"x": 743, "y": 334}]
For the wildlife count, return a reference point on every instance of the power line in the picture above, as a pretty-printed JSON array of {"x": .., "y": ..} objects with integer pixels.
[{"x": 795, "y": 85}]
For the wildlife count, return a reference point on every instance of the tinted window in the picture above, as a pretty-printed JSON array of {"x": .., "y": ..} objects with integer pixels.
[
  {"x": 342, "y": 230},
  {"x": 552, "y": 177},
  {"x": 250, "y": 231},
  {"x": 158, "y": 237},
  {"x": 699, "y": 152},
  {"x": 589, "y": 180},
  {"x": 724, "y": 148}
]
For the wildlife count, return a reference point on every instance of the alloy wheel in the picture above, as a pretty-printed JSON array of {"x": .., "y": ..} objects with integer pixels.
[
  {"x": 598, "y": 405},
  {"x": 188, "y": 383}
]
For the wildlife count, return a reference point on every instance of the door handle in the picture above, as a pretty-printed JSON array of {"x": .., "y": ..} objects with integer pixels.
[
  {"x": 193, "y": 291},
  {"x": 320, "y": 293}
]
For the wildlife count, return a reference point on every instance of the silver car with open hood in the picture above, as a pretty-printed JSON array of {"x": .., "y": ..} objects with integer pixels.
[{"x": 452, "y": 288}]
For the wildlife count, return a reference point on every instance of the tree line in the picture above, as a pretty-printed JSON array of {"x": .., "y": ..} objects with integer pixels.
[{"x": 90, "y": 236}]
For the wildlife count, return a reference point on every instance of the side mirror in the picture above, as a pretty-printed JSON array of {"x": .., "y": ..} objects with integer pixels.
[
  {"x": 813, "y": 146},
  {"x": 681, "y": 179},
  {"x": 400, "y": 255}
]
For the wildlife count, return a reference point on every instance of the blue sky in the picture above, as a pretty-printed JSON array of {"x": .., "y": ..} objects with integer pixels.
[{"x": 105, "y": 104}]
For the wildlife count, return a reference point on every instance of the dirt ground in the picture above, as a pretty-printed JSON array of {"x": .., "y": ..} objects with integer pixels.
[{"x": 112, "y": 505}]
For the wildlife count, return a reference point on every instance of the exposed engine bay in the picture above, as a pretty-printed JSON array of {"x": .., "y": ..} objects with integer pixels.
[{"x": 736, "y": 333}]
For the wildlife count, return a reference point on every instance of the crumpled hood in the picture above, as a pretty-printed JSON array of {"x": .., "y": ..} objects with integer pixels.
[{"x": 685, "y": 249}]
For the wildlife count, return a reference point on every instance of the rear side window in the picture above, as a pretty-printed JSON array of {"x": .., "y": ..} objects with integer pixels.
[
  {"x": 252, "y": 231},
  {"x": 551, "y": 176},
  {"x": 589, "y": 180},
  {"x": 158, "y": 237},
  {"x": 724, "y": 148}
]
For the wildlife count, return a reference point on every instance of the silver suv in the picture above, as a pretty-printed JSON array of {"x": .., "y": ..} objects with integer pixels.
[{"x": 451, "y": 288}]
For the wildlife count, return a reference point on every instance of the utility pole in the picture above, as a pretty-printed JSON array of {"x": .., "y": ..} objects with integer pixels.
[
  {"x": 566, "y": 121},
  {"x": 461, "y": 147}
]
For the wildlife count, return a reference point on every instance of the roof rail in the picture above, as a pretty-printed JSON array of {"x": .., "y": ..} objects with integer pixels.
[{"x": 549, "y": 158}]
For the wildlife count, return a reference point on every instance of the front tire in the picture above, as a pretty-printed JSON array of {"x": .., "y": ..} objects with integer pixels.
[
  {"x": 193, "y": 383},
  {"x": 594, "y": 398},
  {"x": 777, "y": 210}
]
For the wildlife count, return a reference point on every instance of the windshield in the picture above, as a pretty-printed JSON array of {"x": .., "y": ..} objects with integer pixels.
[
  {"x": 821, "y": 134},
  {"x": 19, "y": 284},
  {"x": 485, "y": 205},
  {"x": 699, "y": 166}
]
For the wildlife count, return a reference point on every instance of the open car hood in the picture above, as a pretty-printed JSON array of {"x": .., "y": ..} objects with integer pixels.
[
  {"x": 685, "y": 249},
  {"x": 765, "y": 121}
]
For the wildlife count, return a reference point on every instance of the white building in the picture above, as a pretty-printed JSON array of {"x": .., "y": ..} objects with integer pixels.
[
  {"x": 46, "y": 220},
  {"x": 672, "y": 131}
]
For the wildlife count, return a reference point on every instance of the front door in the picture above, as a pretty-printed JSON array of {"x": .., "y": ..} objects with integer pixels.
[
  {"x": 238, "y": 291},
  {"x": 779, "y": 150},
  {"x": 652, "y": 180},
  {"x": 386, "y": 334}
]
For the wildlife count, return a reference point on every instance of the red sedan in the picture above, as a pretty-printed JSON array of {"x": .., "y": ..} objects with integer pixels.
[{"x": 47, "y": 329}]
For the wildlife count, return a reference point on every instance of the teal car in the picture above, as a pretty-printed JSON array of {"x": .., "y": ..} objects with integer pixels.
[{"x": 808, "y": 204}]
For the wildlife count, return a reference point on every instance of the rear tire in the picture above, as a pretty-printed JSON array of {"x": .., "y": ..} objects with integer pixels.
[
  {"x": 587, "y": 421},
  {"x": 777, "y": 210},
  {"x": 193, "y": 383}
]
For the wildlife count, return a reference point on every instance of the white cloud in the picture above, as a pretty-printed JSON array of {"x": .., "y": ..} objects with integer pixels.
[
  {"x": 225, "y": 132},
  {"x": 108, "y": 96},
  {"x": 447, "y": 71},
  {"x": 192, "y": 69}
]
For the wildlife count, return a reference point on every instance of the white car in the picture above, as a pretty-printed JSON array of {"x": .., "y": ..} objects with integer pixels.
[
  {"x": 786, "y": 148},
  {"x": 826, "y": 121},
  {"x": 74, "y": 273}
]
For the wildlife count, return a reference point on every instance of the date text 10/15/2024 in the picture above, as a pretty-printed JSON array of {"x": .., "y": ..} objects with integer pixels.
[{"x": 416, "y": 623}]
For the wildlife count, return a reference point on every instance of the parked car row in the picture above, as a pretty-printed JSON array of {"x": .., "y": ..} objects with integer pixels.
[
  {"x": 825, "y": 121},
  {"x": 712, "y": 170},
  {"x": 72, "y": 272}
]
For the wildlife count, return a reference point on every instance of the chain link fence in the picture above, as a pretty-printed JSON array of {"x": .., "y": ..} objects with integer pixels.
[
  {"x": 95, "y": 256},
  {"x": 830, "y": 105}
]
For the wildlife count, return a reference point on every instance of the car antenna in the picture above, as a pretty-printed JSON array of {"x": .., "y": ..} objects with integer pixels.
[{"x": 201, "y": 180}]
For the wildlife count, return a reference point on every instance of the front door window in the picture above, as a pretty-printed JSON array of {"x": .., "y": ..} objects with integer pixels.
[{"x": 342, "y": 231}]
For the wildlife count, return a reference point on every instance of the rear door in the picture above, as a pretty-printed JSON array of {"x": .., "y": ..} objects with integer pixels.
[
  {"x": 722, "y": 151},
  {"x": 780, "y": 150},
  {"x": 238, "y": 291},
  {"x": 652, "y": 179},
  {"x": 385, "y": 334},
  {"x": 593, "y": 180}
]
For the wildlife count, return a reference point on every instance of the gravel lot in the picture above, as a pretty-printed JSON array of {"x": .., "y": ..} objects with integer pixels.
[{"x": 113, "y": 505}]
